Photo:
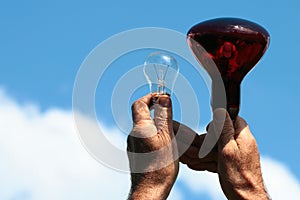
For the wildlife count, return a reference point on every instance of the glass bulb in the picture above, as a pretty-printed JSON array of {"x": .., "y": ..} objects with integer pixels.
[
  {"x": 161, "y": 71},
  {"x": 235, "y": 46}
]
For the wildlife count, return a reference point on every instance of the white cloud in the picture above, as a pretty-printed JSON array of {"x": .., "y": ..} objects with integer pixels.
[
  {"x": 41, "y": 158},
  {"x": 279, "y": 180},
  {"x": 202, "y": 183}
]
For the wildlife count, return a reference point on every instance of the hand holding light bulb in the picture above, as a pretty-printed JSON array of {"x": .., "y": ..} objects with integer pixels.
[{"x": 238, "y": 178}]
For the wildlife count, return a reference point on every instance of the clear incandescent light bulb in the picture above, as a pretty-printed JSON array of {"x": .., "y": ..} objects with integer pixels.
[{"x": 161, "y": 71}]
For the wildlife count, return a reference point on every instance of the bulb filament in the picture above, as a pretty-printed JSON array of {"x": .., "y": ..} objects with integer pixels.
[{"x": 161, "y": 75}]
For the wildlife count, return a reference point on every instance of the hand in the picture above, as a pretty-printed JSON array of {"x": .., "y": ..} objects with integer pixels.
[
  {"x": 189, "y": 144},
  {"x": 152, "y": 153},
  {"x": 238, "y": 159}
]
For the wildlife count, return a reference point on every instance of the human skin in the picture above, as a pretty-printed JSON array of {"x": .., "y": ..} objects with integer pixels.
[
  {"x": 237, "y": 159},
  {"x": 152, "y": 177}
]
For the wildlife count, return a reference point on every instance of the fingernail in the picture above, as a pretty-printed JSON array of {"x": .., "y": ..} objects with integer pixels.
[{"x": 164, "y": 101}]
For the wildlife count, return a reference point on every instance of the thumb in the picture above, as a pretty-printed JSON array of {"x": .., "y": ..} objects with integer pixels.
[
  {"x": 163, "y": 115},
  {"x": 223, "y": 126}
]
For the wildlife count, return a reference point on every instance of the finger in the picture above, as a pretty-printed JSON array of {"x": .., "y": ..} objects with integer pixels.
[
  {"x": 163, "y": 115},
  {"x": 190, "y": 161},
  {"x": 189, "y": 142},
  {"x": 192, "y": 152},
  {"x": 145, "y": 130},
  {"x": 187, "y": 139},
  {"x": 140, "y": 109},
  {"x": 239, "y": 124},
  {"x": 208, "y": 144},
  {"x": 209, "y": 166},
  {"x": 185, "y": 159},
  {"x": 243, "y": 134},
  {"x": 223, "y": 127},
  {"x": 186, "y": 135},
  {"x": 188, "y": 150},
  {"x": 198, "y": 140}
]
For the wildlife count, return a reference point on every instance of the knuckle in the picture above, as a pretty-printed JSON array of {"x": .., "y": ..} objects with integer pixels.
[
  {"x": 227, "y": 129},
  {"x": 135, "y": 105},
  {"x": 228, "y": 152}
]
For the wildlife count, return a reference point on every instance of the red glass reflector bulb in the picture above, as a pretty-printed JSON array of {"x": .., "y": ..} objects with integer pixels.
[{"x": 235, "y": 46}]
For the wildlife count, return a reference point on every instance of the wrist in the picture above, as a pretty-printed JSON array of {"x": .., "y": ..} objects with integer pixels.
[
  {"x": 144, "y": 186},
  {"x": 148, "y": 192},
  {"x": 254, "y": 192},
  {"x": 262, "y": 195}
]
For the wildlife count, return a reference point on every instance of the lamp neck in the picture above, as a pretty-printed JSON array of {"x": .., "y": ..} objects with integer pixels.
[{"x": 232, "y": 93}]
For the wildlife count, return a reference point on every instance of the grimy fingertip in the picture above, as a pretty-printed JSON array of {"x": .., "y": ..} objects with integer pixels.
[{"x": 164, "y": 101}]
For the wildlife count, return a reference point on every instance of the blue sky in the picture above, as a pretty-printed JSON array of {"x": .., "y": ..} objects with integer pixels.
[{"x": 43, "y": 44}]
